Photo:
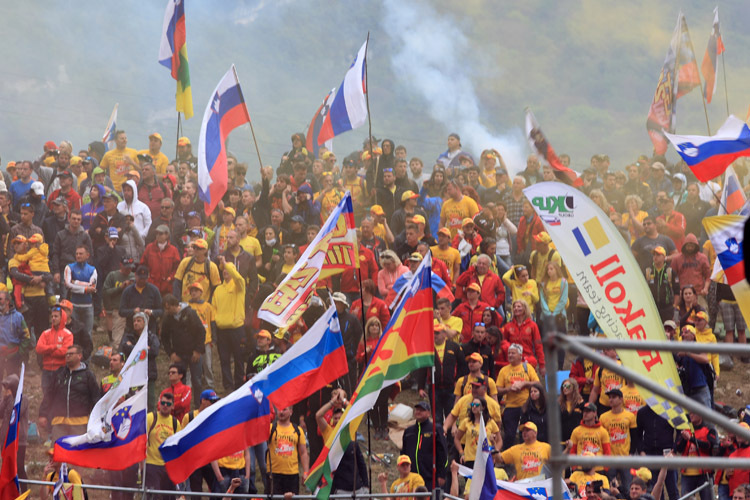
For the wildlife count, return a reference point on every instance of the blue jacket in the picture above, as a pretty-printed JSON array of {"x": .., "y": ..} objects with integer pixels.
[
  {"x": 13, "y": 330},
  {"x": 77, "y": 278}
]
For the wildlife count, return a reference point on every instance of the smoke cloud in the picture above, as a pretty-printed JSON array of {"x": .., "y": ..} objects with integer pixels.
[{"x": 428, "y": 57}]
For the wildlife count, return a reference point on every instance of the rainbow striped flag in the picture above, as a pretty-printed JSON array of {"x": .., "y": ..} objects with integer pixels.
[
  {"x": 173, "y": 54},
  {"x": 407, "y": 345},
  {"x": 726, "y": 233}
]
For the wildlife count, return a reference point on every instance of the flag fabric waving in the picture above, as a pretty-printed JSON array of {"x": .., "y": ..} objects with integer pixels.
[
  {"x": 64, "y": 489},
  {"x": 406, "y": 345},
  {"x": 732, "y": 195},
  {"x": 710, "y": 64},
  {"x": 709, "y": 156},
  {"x": 316, "y": 123},
  {"x": 243, "y": 418},
  {"x": 115, "y": 436},
  {"x": 9, "y": 486},
  {"x": 226, "y": 110},
  {"x": 539, "y": 144},
  {"x": 727, "y": 234},
  {"x": 661, "y": 115},
  {"x": 687, "y": 67},
  {"x": 332, "y": 251},
  {"x": 483, "y": 482},
  {"x": 349, "y": 107},
  {"x": 536, "y": 490},
  {"x": 173, "y": 54},
  {"x": 108, "y": 138}
]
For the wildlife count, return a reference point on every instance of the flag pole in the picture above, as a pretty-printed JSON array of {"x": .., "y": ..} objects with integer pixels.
[
  {"x": 367, "y": 361},
  {"x": 247, "y": 113},
  {"x": 177, "y": 141},
  {"x": 724, "y": 72}
]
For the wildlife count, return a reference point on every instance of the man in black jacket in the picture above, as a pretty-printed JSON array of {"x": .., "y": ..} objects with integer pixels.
[
  {"x": 139, "y": 297},
  {"x": 448, "y": 368},
  {"x": 418, "y": 441},
  {"x": 63, "y": 247},
  {"x": 70, "y": 399},
  {"x": 184, "y": 338}
]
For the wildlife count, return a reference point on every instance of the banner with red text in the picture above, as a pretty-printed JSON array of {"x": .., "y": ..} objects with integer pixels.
[
  {"x": 332, "y": 251},
  {"x": 609, "y": 279}
]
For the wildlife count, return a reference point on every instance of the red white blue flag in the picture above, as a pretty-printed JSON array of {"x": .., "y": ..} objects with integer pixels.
[
  {"x": 9, "y": 486},
  {"x": 226, "y": 110},
  {"x": 710, "y": 64},
  {"x": 317, "y": 122},
  {"x": 349, "y": 107},
  {"x": 709, "y": 156},
  {"x": 483, "y": 483}
]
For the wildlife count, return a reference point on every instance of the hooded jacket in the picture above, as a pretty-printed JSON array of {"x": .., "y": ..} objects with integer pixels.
[
  {"x": 691, "y": 269},
  {"x": 71, "y": 397},
  {"x": 53, "y": 343},
  {"x": 183, "y": 333},
  {"x": 139, "y": 210},
  {"x": 13, "y": 332}
]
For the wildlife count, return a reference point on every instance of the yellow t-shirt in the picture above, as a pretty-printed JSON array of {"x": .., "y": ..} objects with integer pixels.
[
  {"x": 197, "y": 273},
  {"x": 510, "y": 374},
  {"x": 283, "y": 449},
  {"x": 207, "y": 314},
  {"x": 606, "y": 382},
  {"x": 461, "y": 383},
  {"x": 706, "y": 337},
  {"x": 251, "y": 245},
  {"x": 114, "y": 162},
  {"x": 618, "y": 425},
  {"x": 539, "y": 263},
  {"x": 74, "y": 479},
  {"x": 454, "y": 323},
  {"x": 407, "y": 484},
  {"x": 471, "y": 436},
  {"x": 379, "y": 231},
  {"x": 632, "y": 399},
  {"x": 450, "y": 257},
  {"x": 234, "y": 461},
  {"x": 517, "y": 289},
  {"x": 580, "y": 479},
  {"x": 528, "y": 459},
  {"x": 552, "y": 293},
  {"x": 454, "y": 212},
  {"x": 440, "y": 350},
  {"x": 160, "y": 161},
  {"x": 162, "y": 430},
  {"x": 640, "y": 216},
  {"x": 590, "y": 439},
  {"x": 461, "y": 409},
  {"x": 186, "y": 417}
]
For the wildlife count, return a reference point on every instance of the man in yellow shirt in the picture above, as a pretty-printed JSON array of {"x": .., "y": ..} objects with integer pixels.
[
  {"x": 407, "y": 481},
  {"x": 287, "y": 451},
  {"x": 452, "y": 325},
  {"x": 249, "y": 243},
  {"x": 196, "y": 269},
  {"x": 236, "y": 465},
  {"x": 463, "y": 384},
  {"x": 207, "y": 315},
  {"x": 159, "y": 159},
  {"x": 119, "y": 161},
  {"x": 456, "y": 208},
  {"x": 513, "y": 383},
  {"x": 460, "y": 411},
  {"x": 229, "y": 304},
  {"x": 528, "y": 457},
  {"x": 160, "y": 424},
  {"x": 605, "y": 381},
  {"x": 444, "y": 252},
  {"x": 619, "y": 423},
  {"x": 590, "y": 435}
]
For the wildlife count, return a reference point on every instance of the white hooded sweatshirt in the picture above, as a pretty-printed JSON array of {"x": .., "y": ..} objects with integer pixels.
[{"x": 139, "y": 210}]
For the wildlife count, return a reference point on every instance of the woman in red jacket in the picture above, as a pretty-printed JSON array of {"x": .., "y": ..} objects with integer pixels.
[
  {"x": 374, "y": 307},
  {"x": 523, "y": 330}
]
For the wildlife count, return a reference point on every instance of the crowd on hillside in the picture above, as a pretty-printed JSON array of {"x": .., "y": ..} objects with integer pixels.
[{"x": 118, "y": 242}]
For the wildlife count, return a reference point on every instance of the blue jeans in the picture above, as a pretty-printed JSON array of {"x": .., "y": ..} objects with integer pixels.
[{"x": 689, "y": 483}]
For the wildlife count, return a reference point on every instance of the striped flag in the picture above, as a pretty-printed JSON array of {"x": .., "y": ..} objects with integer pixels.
[
  {"x": 687, "y": 67},
  {"x": 316, "y": 123},
  {"x": 732, "y": 196},
  {"x": 109, "y": 133},
  {"x": 9, "y": 486},
  {"x": 727, "y": 233},
  {"x": 406, "y": 345},
  {"x": 710, "y": 64},
  {"x": 173, "y": 54},
  {"x": 483, "y": 483}
]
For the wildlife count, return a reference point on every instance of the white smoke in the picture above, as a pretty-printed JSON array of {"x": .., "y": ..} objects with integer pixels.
[{"x": 430, "y": 61}]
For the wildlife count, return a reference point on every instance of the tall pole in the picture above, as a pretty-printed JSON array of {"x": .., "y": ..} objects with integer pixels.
[
  {"x": 247, "y": 114},
  {"x": 367, "y": 102},
  {"x": 724, "y": 71},
  {"x": 176, "y": 144}
]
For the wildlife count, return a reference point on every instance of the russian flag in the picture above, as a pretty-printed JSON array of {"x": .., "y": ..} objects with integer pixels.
[
  {"x": 9, "y": 486},
  {"x": 225, "y": 112},
  {"x": 243, "y": 418},
  {"x": 710, "y": 64},
  {"x": 316, "y": 123},
  {"x": 349, "y": 107},
  {"x": 709, "y": 156}
]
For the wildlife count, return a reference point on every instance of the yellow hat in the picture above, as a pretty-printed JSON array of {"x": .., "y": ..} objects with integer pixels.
[
  {"x": 543, "y": 237},
  {"x": 467, "y": 221},
  {"x": 418, "y": 219},
  {"x": 474, "y": 287},
  {"x": 158, "y": 136},
  {"x": 49, "y": 160},
  {"x": 200, "y": 243},
  {"x": 409, "y": 195},
  {"x": 183, "y": 141},
  {"x": 36, "y": 238},
  {"x": 528, "y": 425},
  {"x": 659, "y": 250},
  {"x": 377, "y": 210},
  {"x": 415, "y": 257},
  {"x": 264, "y": 334},
  {"x": 75, "y": 160},
  {"x": 403, "y": 459},
  {"x": 230, "y": 210}
]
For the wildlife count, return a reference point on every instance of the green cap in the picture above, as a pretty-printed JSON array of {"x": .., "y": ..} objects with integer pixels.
[{"x": 97, "y": 170}]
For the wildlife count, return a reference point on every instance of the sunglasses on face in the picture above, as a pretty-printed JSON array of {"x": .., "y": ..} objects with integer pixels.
[
  {"x": 566, "y": 386},
  {"x": 476, "y": 405},
  {"x": 166, "y": 403}
]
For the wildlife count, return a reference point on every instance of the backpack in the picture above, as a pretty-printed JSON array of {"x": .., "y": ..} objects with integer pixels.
[
  {"x": 273, "y": 433},
  {"x": 153, "y": 424},
  {"x": 563, "y": 268},
  {"x": 206, "y": 270}
]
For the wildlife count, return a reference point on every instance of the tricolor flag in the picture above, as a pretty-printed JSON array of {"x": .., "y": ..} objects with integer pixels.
[
  {"x": 10, "y": 489},
  {"x": 349, "y": 107},
  {"x": 226, "y": 110},
  {"x": 732, "y": 196},
  {"x": 115, "y": 436},
  {"x": 64, "y": 489},
  {"x": 406, "y": 345},
  {"x": 243, "y": 418},
  {"x": 727, "y": 233},
  {"x": 661, "y": 114},
  {"x": 108, "y": 138},
  {"x": 710, "y": 64},
  {"x": 332, "y": 251},
  {"x": 687, "y": 67},
  {"x": 173, "y": 54},
  {"x": 539, "y": 144},
  {"x": 527, "y": 489},
  {"x": 709, "y": 156},
  {"x": 316, "y": 123},
  {"x": 483, "y": 482}
]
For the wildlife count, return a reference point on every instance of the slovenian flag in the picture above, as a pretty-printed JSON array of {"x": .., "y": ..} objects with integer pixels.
[
  {"x": 349, "y": 107},
  {"x": 243, "y": 418},
  {"x": 710, "y": 64},
  {"x": 115, "y": 436},
  {"x": 709, "y": 156},
  {"x": 10, "y": 489},
  {"x": 226, "y": 110},
  {"x": 173, "y": 54},
  {"x": 483, "y": 483}
]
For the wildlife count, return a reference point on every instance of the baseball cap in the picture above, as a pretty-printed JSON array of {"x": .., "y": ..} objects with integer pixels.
[
  {"x": 671, "y": 324},
  {"x": 195, "y": 285},
  {"x": 200, "y": 243},
  {"x": 66, "y": 304},
  {"x": 543, "y": 237},
  {"x": 50, "y": 145},
  {"x": 127, "y": 261},
  {"x": 589, "y": 407},
  {"x": 38, "y": 188},
  {"x": 97, "y": 170},
  {"x": 479, "y": 382},
  {"x": 145, "y": 158},
  {"x": 59, "y": 201},
  {"x": 141, "y": 271},
  {"x": 614, "y": 392},
  {"x": 298, "y": 218},
  {"x": 209, "y": 395},
  {"x": 445, "y": 231},
  {"x": 36, "y": 238},
  {"x": 157, "y": 135},
  {"x": 75, "y": 160},
  {"x": 418, "y": 219},
  {"x": 415, "y": 257},
  {"x": 112, "y": 233},
  {"x": 230, "y": 210},
  {"x": 377, "y": 210},
  {"x": 264, "y": 333},
  {"x": 424, "y": 405},
  {"x": 135, "y": 174},
  {"x": 403, "y": 459},
  {"x": 475, "y": 356},
  {"x": 702, "y": 315},
  {"x": 19, "y": 239},
  {"x": 183, "y": 141},
  {"x": 109, "y": 196},
  {"x": 474, "y": 287},
  {"x": 409, "y": 195},
  {"x": 437, "y": 326},
  {"x": 339, "y": 297},
  {"x": 467, "y": 221},
  {"x": 659, "y": 250},
  {"x": 528, "y": 425}
]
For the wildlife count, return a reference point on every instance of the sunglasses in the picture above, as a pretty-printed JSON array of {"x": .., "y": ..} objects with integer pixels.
[
  {"x": 476, "y": 405},
  {"x": 566, "y": 386},
  {"x": 479, "y": 323},
  {"x": 165, "y": 403}
]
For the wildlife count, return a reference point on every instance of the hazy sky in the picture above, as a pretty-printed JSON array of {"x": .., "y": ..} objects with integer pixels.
[{"x": 587, "y": 69}]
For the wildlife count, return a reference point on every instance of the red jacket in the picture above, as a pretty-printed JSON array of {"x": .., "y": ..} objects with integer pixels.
[
  {"x": 162, "y": 265},
  {"x": 527, "y": 335},
  {"x": 526, "y": 231},
  {"x": 182, "y": 395},
  {"x": 53, "y": 357},
  {"x": 493, "y": 290},
  {"x": 469, "y": 316},
  {"x": 740, "y": 476},
  {"x": 368, "y": 269},
  {"x": 439, "y": 268},
  {"x": 73, "y": 199},
  {"x": 378, "y": 309}
]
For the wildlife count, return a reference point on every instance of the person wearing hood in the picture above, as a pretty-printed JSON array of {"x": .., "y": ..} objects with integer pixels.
[
  {"x": 691, "y": 267},
  {"x": 65, "y": 242},
  {"x": 71, "y": 397},
  {"x": 694, "y": 209},
  {"x": 137, "y": 209},
  {"x": 590, "y": 436},
  {"x": 93, "y": 207},
  {"x": 131, "y": 240},
  {"x": 184, "y": 337},
  {"x": 679, "y": 188},
  {"x": 52, "y": 346}
]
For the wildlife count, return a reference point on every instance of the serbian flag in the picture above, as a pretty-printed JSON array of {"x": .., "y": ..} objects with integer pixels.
[
  {"x": 173, "y": 54},
  {"x": 108, "y": 138},
  {"x": 9, "y": 486},
  {"x": 709, "y": 156},
  {"x": 226, "y": 110},
  {"x": 710, "y": 64},
  {"x": 243, "y": 418},
  {"x": 349, "y": 107},
  {"x": 115, "y": 435},
  {"x": 543, "y": 148},
  {"x": 727, "y": 234},
  {"x": 316, "y": 123}
]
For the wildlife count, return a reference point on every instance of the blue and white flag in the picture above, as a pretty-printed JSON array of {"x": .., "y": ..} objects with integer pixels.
[
  {"x": 483, "y": 483},
  {"x": 109, "y": 133}
]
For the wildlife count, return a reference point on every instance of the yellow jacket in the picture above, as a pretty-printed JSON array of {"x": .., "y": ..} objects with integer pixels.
[
  {"x": 707, "y": 337},
  {"x": 229, "y": 300}
]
